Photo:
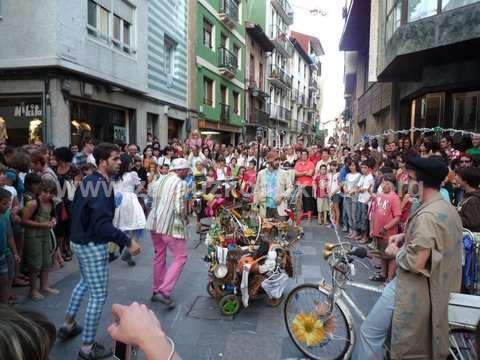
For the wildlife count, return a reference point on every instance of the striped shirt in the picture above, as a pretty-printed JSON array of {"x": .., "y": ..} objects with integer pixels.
[{"x": 168, "y": 212}]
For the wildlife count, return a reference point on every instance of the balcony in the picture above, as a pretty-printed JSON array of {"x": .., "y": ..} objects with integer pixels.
[
  {"x": 294, "y": 125},
  {"x": 255, "y": 90},
  {"x": 229, "y": 13},
  {"x": 313, "y": 85},
  {"x": 227, "y": 63},
  {"x": 279, "y": 113},
  {"x": 224, "y": 113},
  {"x": 284, "y": 10},
  {"x": 279, "y": 77},
  {"x": 281, "y": 41},
  {"x": 259, "y": 117}
]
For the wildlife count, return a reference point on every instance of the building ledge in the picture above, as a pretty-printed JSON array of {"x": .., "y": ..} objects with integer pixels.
[
  {"x": 356, "y": 32},
  {"x": 257, "y": 33}
]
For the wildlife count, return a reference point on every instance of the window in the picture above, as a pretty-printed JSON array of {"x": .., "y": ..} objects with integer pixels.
[
  {"x": 394, "y": 14},
  {"x": 126, "y": 36},
  {"x": 465, "y": 111},
  {"x": 111, "y": 24},
  {"x": 208, "y": 91},
  {"x": 104, "y": 14},
  {"x": 236, "y": 51},
  {"x": 170, "y": 48},
  {"x": 419, "y": 9},
  {"x": 92, "y": 14},
  {"x": 117, "y": 33},
  {"x": 236, "y": 103},
  {"x": 207, "y": 34},
  {"x": 299, "y": 64},
  {"x": 453, "y": 4}
]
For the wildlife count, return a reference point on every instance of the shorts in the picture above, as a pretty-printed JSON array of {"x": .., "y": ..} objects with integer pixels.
[
  {"x": 3, "y": 265},
  {"x": 322, "y": 204},
  {"x": 38, "y": 254},
  {"x": 382, "y": 245},
  {"x": 336, "y": 199}
]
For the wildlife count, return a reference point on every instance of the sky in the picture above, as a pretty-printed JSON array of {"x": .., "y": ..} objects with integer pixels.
[{"x": 328, "y": 29}]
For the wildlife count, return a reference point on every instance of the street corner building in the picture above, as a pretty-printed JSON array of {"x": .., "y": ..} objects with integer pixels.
[
  {"x": 111, "y": 70},
  {"x": 411, "y": 64}
]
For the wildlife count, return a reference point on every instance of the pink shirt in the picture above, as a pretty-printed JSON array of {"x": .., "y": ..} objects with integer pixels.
[{"x": 386, "y": 208}]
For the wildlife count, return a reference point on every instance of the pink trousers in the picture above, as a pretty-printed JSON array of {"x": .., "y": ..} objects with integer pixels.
[{"x": 165, "y": 279}]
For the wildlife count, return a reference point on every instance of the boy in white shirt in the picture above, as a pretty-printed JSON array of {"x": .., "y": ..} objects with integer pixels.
[{"x": 365, "y": 188}]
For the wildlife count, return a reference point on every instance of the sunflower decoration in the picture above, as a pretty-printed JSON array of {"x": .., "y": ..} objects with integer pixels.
[
  {"x": 249, "y": 232},
  {"x": 315, "y": 328},
  {"x": 308, "y": 329}
]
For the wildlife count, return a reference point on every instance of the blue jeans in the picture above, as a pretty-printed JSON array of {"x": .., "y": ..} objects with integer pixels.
[
  {"x": 93, "y": 264},
  {"x": 361, "y": 215},
  {"x": 350, "y": 205},
  {"x": 344, "y": 213},
  {"x": 377, "y": 326}
]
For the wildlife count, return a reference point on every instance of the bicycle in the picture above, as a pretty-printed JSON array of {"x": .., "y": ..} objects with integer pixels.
[{"x": 321, "y": 325}]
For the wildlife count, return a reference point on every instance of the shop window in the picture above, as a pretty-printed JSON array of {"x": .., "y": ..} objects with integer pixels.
[
  {"x": 465, "y": 111},
  {"x": 99, "y": 122},
  {"x": 453, "y": 4},
  {"x": 21, "y": 120},
  {"x": 429, "y": 110},
  {"x": 208, "y": 91},
  {"x": 394, "y": 14},
  {"x": 170, "y": 47},
  {"x": 236, "y": 103},
  {"x": 207, "y": 34}
]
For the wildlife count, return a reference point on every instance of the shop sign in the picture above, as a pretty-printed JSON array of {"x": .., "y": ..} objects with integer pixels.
[
  {"x": 27, "y": 110},
  {"x": 120, "y": 133}
]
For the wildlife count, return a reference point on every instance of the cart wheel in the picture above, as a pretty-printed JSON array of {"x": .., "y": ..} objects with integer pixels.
[
  {"x": 211, "y": 289},
  {"x": 229, "y": 304}
]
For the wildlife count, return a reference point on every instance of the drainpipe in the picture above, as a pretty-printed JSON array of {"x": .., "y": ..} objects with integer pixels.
[{"x": 47, "y": 110}]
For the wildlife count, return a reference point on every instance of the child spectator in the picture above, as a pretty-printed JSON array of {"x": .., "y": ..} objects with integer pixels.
[
  {"x": 334, "y": 193},
  {"x": 39, "y": 219},
  {"x": 8, "y": 250},
  {"x": 320, "y": 192},
  {"x": 87, "y": 169},
  {"x": 351, "y": 196},
  {"x": 251, "y": 174},
  {"x": 365, "y": 188},
  {"x": 386, "y": 214},
  {"x": 199, "y": 172}
]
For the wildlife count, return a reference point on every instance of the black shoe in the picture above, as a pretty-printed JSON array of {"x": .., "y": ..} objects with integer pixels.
[
  {"x": 112, "y": 257},
  {"x": 128, "y": 258},
  {"x": 65, "y": 333},
  {"x": 167, "y": 301},
  {"x": 98, "y": 352}
]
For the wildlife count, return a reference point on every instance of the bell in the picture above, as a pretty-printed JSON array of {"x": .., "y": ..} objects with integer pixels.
[
  {"x": 330, "y": 246},
  {"x": 327, "y": 254}
]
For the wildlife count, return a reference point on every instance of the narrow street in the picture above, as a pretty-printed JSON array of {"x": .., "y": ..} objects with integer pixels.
[{"x": 197, "y": 326}]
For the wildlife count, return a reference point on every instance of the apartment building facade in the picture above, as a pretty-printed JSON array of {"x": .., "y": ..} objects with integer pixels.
[
  {"x": 220, "y": 70},
  {"x": 306, "y": 70},
  {"x": 412, "y": 64},
  {"x": 83, "y": 69}
]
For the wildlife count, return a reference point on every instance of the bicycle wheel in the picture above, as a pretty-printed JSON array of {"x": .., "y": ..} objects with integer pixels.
[
  {"x": 316, "y": 335},
  {"x": 462, "y": 344}
]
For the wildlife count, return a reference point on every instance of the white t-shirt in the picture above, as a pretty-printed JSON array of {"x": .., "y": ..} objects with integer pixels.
[
  {"x": 351, "y": 182},
  {"x": 366, "y": 182}
]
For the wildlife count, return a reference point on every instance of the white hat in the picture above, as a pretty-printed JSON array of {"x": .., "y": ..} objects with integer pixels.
[{"x": 179, "y": 164}]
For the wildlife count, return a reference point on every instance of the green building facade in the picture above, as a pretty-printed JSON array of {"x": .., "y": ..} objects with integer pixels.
[{"x": 220, "y": 68}]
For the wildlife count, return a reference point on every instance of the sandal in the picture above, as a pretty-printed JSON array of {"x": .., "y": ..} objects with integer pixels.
[
  {"x": 20, "y": 283},
  {"x": 377, "y": 277}
]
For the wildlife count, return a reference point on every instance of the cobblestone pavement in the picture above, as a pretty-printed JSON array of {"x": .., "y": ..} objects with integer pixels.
[{"x": 199, "y": 330}]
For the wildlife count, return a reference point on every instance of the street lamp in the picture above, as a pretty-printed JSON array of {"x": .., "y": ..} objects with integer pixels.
[{"x": 259, "y": 140}]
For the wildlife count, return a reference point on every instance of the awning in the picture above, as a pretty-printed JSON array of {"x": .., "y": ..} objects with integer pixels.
[{"x": 208, "y": 125}]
